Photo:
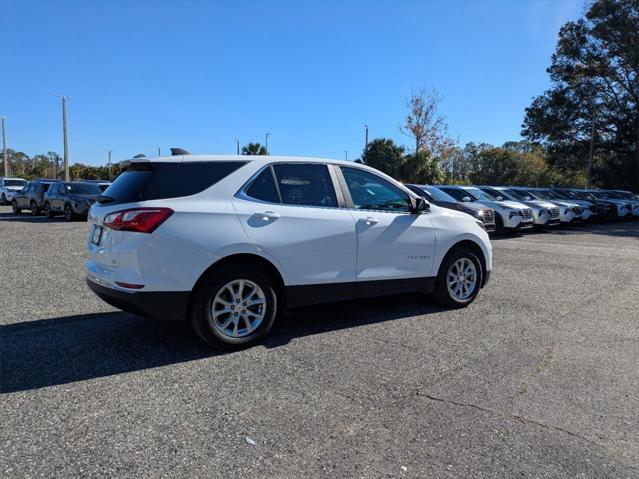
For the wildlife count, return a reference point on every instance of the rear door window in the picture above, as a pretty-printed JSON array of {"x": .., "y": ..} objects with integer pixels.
[
  {"x": 263, "y": 187},
  {"x": 154, "y": 181},
  {"x": 305, "y": 184}
]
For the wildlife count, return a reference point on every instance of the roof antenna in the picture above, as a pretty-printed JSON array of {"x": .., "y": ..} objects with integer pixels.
[{"x": 179, "y": 151}]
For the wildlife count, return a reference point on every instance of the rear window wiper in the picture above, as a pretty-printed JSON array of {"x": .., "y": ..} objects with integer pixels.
[{"x": 102, "y": 199}]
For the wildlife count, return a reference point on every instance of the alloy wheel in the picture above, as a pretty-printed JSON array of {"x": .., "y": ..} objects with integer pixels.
[
  {"x": 461, "y": 279},
  {"x": 238, "y": 309}
]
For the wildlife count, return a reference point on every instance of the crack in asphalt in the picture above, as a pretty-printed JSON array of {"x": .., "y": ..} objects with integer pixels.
[{"x": 516, "y": 417}]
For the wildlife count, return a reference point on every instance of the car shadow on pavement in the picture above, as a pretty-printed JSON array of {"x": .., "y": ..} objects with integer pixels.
[
  {"x": 63, "y": 350},
  {"x": 27, "y": 218}
]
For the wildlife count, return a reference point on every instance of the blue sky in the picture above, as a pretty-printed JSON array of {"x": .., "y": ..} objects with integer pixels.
[{"x": 144, "y": 74}]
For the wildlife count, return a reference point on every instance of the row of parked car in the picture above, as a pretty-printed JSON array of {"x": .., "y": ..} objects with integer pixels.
[
  {"x": 509, "y": 208},
  {"x": 500, "y": 208},
  {"x": 51, "y": 197}
]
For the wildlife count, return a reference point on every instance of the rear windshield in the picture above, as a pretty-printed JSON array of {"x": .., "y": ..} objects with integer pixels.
[
  {"x": 154, "y": 181},
  {"x": 83, "y": 188}
]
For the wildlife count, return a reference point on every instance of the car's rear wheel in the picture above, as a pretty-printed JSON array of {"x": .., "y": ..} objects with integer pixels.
[
  {"x": 15, "y": 208},
  {"x": 234, "y": 306},
  {"x": 68, "y": 213},
  {"x": 34, "y": 208},
  {"x": 47, "y": 210},
  {"x": 4, "y": 199},
  {"x": 459, "y": 279}
]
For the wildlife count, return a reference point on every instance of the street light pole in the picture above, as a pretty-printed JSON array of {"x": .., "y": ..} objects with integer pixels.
[
  {"x": 592, "y": 146},
  {"x": 64, "y": 134},
  {"x": 345, "y": 155},
  {"x": 266, "y": 142},
  {"x": 4, "y": 150},
  {"x": 366, "y": 142},
  {"x": 237, "y": 146},
  {"x": 109, "y": 165}
]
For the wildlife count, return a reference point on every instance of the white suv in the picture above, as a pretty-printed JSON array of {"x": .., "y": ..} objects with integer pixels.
[
  {"x": 509, "y": 215},
  {"x": 9, "y": 187},
  {"x": 227, "y": 242}
]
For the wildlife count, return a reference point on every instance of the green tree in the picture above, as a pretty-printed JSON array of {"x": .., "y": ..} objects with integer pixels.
[
  {"x": 253, "y": 149},
  {"x": 594, "y": 87},
  {"x": 420, "y": 168},
  {"x": 384, "y": 155}
]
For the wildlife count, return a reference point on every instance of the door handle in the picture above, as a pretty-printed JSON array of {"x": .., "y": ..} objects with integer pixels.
[
  {"x": 268, "y": 216},
  {"x": 369, "y": 220}
]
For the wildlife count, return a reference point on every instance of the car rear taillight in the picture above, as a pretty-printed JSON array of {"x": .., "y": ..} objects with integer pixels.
[{"x": 140, "y": 220}]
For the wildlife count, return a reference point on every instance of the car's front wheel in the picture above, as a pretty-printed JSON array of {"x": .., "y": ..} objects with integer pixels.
[
  {"x": 15, "y": 208},
  {"x": 47, "y": 211},
  {"x": 459, "y": 279},
  {"x": 4, "y": 199},
  {"x": 33, "y": 208},
  {"x": 234, "y": 306}
]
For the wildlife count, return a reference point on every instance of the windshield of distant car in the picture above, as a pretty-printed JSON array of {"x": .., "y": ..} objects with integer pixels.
[
  {"x": 481, "y": 195},
  {"x": 533, "y": 194},
  {"x": 14, "y": 182},
  {"x": 517, "y": 195},
  {"x": 438, "y": 195},
  {"x": 494, "y": 193},
  {"x": 457, "y": 193},
  {"x": 83, "y": 189},
  {"x": 561, "y": 194}
]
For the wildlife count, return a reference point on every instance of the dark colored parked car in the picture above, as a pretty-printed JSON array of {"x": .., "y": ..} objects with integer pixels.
[
  {"x": 73, "y": 199},
  {"x": 439, "y": 198},
  {"x": 31, "y": 197}
]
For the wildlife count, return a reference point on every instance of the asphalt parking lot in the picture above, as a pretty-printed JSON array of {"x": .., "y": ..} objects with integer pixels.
[{"x": 539, "y": 377}]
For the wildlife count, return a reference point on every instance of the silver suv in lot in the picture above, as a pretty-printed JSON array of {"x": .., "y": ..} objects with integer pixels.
[
  {"x": 31, "y": 197},
  {"x": 544, "y": 213},
  {"x": 509, "y": 215}
]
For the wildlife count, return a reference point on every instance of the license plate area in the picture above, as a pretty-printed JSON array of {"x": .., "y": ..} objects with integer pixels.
[{"x": 96, "y": 236}]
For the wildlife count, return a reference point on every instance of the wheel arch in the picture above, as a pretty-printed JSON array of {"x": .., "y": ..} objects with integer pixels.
[
  {"x": 243, "y": 258},
  {"x": 475, "y": 248}
]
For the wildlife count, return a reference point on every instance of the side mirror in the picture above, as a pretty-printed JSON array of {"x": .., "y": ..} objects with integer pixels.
[
  {"x": 418, "y": 205},
  {"x": 466, "y": 198}
]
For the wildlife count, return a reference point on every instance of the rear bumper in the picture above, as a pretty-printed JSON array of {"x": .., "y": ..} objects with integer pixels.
[{"x": 166, "y": 305}]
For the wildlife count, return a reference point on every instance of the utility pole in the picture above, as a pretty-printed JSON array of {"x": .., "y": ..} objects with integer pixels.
[
  {"x": 109, "y": 164},
  {"x": 237, "y": 146},
  {"x": 345, "y": 155},
  {"x": 159, "y": 154},
  {"x": 366, "y": 141},
  {"x": 64, "y": 134},
  {"x": 266, "y": 143},
  {"x": 4, "y": 149},
  {"x": 592, "y": 146}
]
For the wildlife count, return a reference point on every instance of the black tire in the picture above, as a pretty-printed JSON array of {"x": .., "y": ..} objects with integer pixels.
[
  {"x": 47, "y": 210},
  {"x": 442, "y": 293},
  {"x": 68, "y": 212},
  {"x": 16, "y": 209},
  {"x": 34, "y": 208},
  {"x": 4, "y": 199},
  {"x": 499, "y": 225},
  {"x": 201, "y": 310}
]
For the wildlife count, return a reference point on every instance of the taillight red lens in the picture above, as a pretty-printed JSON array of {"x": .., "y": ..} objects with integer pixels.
[{"x": 140, "y": 220}]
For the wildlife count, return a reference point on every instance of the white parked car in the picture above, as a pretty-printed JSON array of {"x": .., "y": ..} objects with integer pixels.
[
  {"x": 544, "y": 213},
  {"x": 227, "y": 242},
  {"x": 9, "y": 187},
  {"x": 570, "y": 211},
  {"x": 510, "y": 215}
]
